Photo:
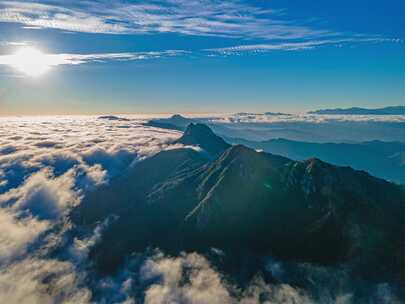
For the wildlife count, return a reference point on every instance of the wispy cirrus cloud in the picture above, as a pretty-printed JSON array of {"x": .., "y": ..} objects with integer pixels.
[
  {"x": 127, "y": 56},
  {"x": 254, "y": 27},
  {"x": 297, "y": 45},
  {"x": 235, "y": 19},
  {"x": 55, "y": 16}
]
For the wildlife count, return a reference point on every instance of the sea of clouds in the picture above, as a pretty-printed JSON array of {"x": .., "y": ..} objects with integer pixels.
[
  {"x": 48, "y": 164},
  {"x": 311, "y": 127}
]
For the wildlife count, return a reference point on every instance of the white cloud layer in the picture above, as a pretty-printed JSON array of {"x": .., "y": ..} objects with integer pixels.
[
  {"x": 84, "y": 144},
  {"x": 304, "y": 117},
  {"x": 204, "y": 287},
  {"x": 16, "y": 234},
  {"x": 39, "y": 281},
  {"x": 310, "y": 127}
]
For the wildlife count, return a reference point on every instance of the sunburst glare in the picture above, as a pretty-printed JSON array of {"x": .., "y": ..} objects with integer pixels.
[{"x": 31, "y": 61}]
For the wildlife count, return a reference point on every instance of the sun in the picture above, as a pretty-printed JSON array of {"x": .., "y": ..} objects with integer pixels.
[{"x": 31, "y": 61}]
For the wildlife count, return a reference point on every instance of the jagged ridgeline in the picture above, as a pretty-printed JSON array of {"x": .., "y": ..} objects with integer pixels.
[{"x": 248, "y": 202}]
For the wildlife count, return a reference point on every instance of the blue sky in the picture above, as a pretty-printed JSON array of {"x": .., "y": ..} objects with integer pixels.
[{"x": 203, "y": 56}]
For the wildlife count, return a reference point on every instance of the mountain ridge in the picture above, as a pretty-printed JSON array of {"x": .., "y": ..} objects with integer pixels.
[
  {"x": 249, "y": 201},
  {"x": 381, "y": 159}
]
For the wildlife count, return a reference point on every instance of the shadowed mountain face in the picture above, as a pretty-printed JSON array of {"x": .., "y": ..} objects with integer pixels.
[{"x": 247, "y": 202}]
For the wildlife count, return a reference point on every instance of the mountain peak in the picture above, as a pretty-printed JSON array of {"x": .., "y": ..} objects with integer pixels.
[
  {"x": 201, "y": 135},
  {"x": 242, "y": 154},
  {"x": 177, "y": 116},
  {"x": 238, "y": 151},
  {"x": 197, "y": 127}
]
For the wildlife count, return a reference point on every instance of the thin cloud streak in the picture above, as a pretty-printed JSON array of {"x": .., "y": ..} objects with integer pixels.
[
  {"x": 76, "y": 59},
  {"x": 296, "y": 46},
  {"x": 12, "y": 43}
]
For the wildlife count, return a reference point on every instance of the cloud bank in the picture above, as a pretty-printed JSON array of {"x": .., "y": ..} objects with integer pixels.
[
  {"x": 310, "y": 127},
  {"x": 304, "y": 117}
]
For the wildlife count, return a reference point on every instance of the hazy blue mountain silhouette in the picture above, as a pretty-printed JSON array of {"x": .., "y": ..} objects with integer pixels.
[
  {"x": 175, "y": 122},
  {"x": 395, "y": 110}
]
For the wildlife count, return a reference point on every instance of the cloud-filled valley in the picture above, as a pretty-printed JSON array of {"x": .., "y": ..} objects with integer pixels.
[{"x": 49, "y": 164}]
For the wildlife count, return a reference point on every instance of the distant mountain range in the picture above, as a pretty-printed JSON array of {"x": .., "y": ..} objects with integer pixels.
[
  {"x": 379, "y": 158},
  {"x": 112, "y": 117},
  {"x": 382, "y": 159},
  {"x": 248, "y": 202},
  {"x": 395, "y": 110},
  {"x": 265, "y": 113}
]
